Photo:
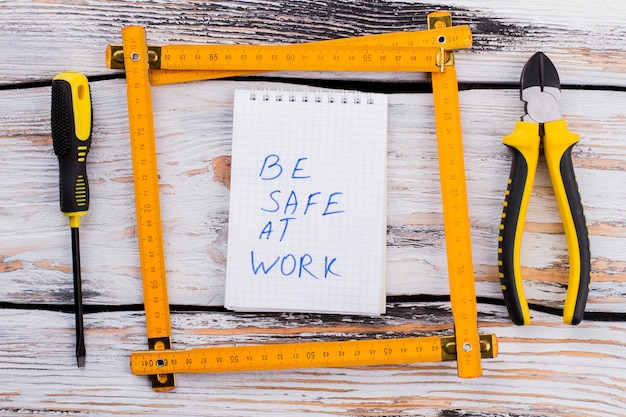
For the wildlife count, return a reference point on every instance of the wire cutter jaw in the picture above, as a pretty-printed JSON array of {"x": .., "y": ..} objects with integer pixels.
[{"x": 540, "y": 89}]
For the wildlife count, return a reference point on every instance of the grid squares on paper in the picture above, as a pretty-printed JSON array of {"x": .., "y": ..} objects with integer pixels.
[{"x": 307, "y": 228}]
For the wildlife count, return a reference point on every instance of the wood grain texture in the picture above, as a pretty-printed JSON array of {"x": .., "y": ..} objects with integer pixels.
[
  {"x": 194, "y": 126},
  {"x": 546, "y": 369},
  {"x": 586, "y": 40}
]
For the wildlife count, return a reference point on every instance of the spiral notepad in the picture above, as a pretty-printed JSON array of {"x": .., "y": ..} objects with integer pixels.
[{"x": 307, "y": 228}]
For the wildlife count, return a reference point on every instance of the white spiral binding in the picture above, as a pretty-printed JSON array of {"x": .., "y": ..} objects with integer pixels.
[{"x": 341, "y": 97}]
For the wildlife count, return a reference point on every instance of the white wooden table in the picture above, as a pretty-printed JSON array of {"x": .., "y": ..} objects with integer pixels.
[{"x": 547, "y": 368}]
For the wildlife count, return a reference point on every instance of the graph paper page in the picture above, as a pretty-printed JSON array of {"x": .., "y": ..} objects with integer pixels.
[{"x": 307, "y": 225}]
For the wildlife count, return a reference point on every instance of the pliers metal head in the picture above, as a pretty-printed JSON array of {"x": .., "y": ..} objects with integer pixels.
[
  {"x": 541, "y": 91},
  {"x": 540, "y": 88}
]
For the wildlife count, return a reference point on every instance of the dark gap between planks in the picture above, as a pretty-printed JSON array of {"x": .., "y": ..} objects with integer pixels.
[
  {"x": 394, "y": 302},
  {"x": 365, "y": 86}
]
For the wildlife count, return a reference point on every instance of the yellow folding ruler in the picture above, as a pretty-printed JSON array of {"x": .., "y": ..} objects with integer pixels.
[
  {"x": 396, "y": 51},
  {"x": 304, "y": 355},
  {"x": 423, "y": 51}
]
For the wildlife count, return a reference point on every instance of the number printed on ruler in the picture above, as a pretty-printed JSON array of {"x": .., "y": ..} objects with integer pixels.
[
  {"x": 456, "y": 221},
  {"x": 145, "y": 175},
  {"x": 304, "y": 57},
  {"x": 293, "y": 355},
  {"x": 376, "y": 53}
]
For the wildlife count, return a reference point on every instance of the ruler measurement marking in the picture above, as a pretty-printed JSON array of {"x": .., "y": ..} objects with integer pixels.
[
  {"x": 284, "y": 356},
  {"x": 147, "y": 202},
  {"x": 448, "y": 38},
  {"x": 298, "y": 58},
  {"x": 456, "y": 217}
]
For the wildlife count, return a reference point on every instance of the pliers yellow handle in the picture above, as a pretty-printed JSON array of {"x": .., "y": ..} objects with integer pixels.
[{"x": 524, "y": 145}]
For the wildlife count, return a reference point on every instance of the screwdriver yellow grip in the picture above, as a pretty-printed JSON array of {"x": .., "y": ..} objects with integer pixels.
[
  {"x": 524, "y": 145},
  {"x": 71, "y": 120},
  {"x": 558, "y": 142}
]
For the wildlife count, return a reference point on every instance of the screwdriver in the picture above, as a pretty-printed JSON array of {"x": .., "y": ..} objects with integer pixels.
[{"x": 71, "y": 120}]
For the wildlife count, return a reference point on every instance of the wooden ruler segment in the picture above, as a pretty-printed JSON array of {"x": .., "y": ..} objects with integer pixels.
[
  {"x": 304, "y": 355},
  {"x": 389, "y": 51},
  {"x": 455, "y": 213},
  {"x": 299, "y": 58},
  {"x": 147, "y": 204},
  {"x": 368, "y": 53}
]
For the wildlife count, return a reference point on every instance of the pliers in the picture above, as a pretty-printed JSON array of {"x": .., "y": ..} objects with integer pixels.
[{"x": 540, "y": 90}]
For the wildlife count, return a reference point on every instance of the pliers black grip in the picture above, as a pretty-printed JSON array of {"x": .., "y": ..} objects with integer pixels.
[{"x": 540, "y": 89}]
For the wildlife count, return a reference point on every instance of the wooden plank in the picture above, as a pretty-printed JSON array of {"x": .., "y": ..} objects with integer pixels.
[
  {"x": 541, "y": 370},
  {"x": 54, "y": 36},
  {"x": 193, "y": 124}
]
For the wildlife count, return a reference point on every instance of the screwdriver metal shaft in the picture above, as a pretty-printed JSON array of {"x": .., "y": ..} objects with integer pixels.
[
  {"x": 71, "y": 121},
  {"x": 78, "y": 299}
]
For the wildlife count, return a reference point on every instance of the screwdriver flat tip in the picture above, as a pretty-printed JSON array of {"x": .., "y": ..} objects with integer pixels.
[{"x": 80, "y": 359}]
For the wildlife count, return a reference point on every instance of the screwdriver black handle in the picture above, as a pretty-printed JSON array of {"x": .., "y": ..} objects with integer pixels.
[{"x": 71, "y": 121}]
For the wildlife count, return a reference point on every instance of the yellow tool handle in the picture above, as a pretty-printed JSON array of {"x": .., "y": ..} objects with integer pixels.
[
  {"x": 456, "y": 213},
  {"x": 557, "y": 143},
  {"x": 524, "y": 146},
  {"x": 147, "y": 204},
  {"x": 303, "y": 355},
  {"x": 71, "y": 123}
]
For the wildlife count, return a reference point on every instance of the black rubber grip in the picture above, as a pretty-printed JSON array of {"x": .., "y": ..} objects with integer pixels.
[
  {"x": 509, "y": 228},
  {"x": 582, "y": 233}
]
